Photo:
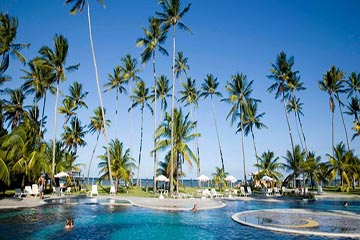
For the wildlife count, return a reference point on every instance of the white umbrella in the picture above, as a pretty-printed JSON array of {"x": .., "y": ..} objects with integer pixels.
[
  {"x": 231, "y": 179},
  {"x": 61, "y": 175},
  {"x": 299, "y": 178},
  {"x": 162, "y": 178},
  {"x": 266, "y": 178},
  {"x": 203, "y": 178}
]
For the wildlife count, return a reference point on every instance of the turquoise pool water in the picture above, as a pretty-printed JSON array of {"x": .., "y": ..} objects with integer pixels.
[{"x": 105, "y": 219}]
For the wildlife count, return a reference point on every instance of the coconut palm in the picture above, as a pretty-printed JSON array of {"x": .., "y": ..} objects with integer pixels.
[
  {"x": 77, "y": 7},
  {"x": 353, "y": 84},
  {"x": 282, "y": 74},
  {"x": 239, "y": 93},
  {"x": 154, "y": 38},
  {"x": 219, "y": 178},
  {"x": 68, "y": 109},
  {"x": 56, "y": 58},
  {"x": 171, "y": 17},
  {"x": 73, "y": 135},
  {"x": 251, "y": 120},
  {"x": 208, "y": 88},
  {"x": 332, "y": 83},
  {"x": 294, "y": 163},
  {"x": 8, "y": 32},
  {"x": 190, "y": 95},
  {"x": 181, "y": 66},
  {"x": 96, "y": 125},
  {"x": 14, "y": 108},
  {"x": 140, "y": 98},
  {"x": 296, "y": 106},
  {"x": 269, "y": 165},
  {"x": 116, "y": 81},
  {"x": 163, "y": 89},
  {"x": 121, "y": 163},
  {"x": 312, "y": 167},
  {"x": 183, "y": 134},
  {"x": 38, "y": 80}
]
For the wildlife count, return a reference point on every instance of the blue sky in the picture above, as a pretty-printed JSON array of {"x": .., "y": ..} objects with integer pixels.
[{"x": 228, "y": 37}]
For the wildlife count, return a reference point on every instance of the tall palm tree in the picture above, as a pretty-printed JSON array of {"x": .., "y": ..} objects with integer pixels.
[
  {"x": 56, "y": 58},
  {"x": 140, "y": 98},
  {"x": 8, "y": 32},
  {"x": 181, "y": 66},
  {"x": 121, "y": 163},
  {"x": 170, "y": 17},
  {"x": 68, "y": 109},
  {"x": 296, "y": 106},
  {"x": 73, "y": 135},
  {"x": 354, "y": 110},
  {"x": 116, "y": 81},
  {"x": 14, "y": 108},
  {"x": 190, "y": 95},
  {"x": 353, "y": 84},
  {"x": 269, "y": 165},
  {"x": 163, "y": 89},
  {"x": 38, "y": 80},
  {"x": 96, "y": 125},
  {"x": 183, "y": 134},
  {"x": 208, "y": 88},
  {"x": 154, "y": 38},
  {"x": 251, "y": 120},
  {"x": 239, "y": 93},
  {"x": 332, "y": 83},
  {"x": 282, "y": 73},
  {"x": 78, "y": 6}
]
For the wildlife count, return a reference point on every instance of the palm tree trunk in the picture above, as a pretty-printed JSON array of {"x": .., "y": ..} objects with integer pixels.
[
  {"x": 92, "y": 156},
  {"x": 197, "y": 149},
  {"x": 116, "y": 112},
  {"x": 242, "y": 142},
  {"x": 100, "y": 98},
  {"x": 172, "y": 116},
  {"x": 54, "y": 137},
  {"x": 343, "y": 121},
  {"x": 332, "y": 132},
  {"x": 298, "y": 131},
  {"x": 253, "y": 137},
  {"x": 217, "y": 134},
  {"x": 141, "y": 138},
  {"x": 302, "y": 131},
  {"x": 155, "y": 98},
  {"x": 42, "y": 114},
  {"x": 288, "y": 124}
]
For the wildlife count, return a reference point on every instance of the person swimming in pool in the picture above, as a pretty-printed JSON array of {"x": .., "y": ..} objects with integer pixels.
[{"x": 69, "y": 223}]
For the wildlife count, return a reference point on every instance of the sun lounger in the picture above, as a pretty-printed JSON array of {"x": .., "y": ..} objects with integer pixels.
[
  {"x": 112, "y": 191},
  {"x": 35, "y": 190},
  {"x": 249, "y": 191},
  {"x": 68, "y": 191},
  {"x": 242, "y": 192},
  {"x": 94, "y": 191},
  {"x": 214, "y": 194},
  {"x": 18, "y": 193},
  {"x": 320, "y": 190}
]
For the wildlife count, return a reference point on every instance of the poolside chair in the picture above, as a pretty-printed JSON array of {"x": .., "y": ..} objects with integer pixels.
[
  {"x": 320, "y": 190},
  {"x": 242, "y": 192},
  {"x": 35, "y": 190},
  {"x": 249, "y": 191},
  {"x": 94, "y": 191},
  {"x": 276, "y": 191},
  {"x": 283, "y": 190},
  {"x": 112, "y": 191},
  {"x": 206, "y": 193},
  {"x": 18, "y": 193},
  {"x": 68, "y": 191},
  {"x": 27, "y": 191},
  {"x": 215, "y": 194}
]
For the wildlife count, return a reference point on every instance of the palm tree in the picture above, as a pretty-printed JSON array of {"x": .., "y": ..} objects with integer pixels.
[
  {"x": 183, "y": 134},
  {"x": 116, "y": 82},
  {"x": 208, "y": 88},
  {"x": 121, "y": 163},
  {"x": 14, "y": 108},
  {"x": 8, "y": 31},
  {"x": 239, "y": 93},
  {"x": 73, "y": 136},
  {"x": 332, "y": 84},
  {"x": 353, "y": 84},
  {"x": 56, "y": 59},
  {"x": 190, "y": 95},
  {"x": 296, "y": 106},
  {"x": 38, "y": 80},
  {"x": 354, "y": 110},
  {"x": 312, "y": 167},
  {"x": 96, "y": 125},
  {"x": 140, "y": 98},
  {"x": 78, "y": 6},
  {"x": 251, "y": 119},
  {"x": 154, "y": 38},
  {"x": 269, "y": 165},
  {"x": 219, "y": 177},
  {"x": 170, "y": 17},
  {"x": 294, "y": 163},
  {"x": 181, "y": 66},
  {"x": 163, "y": 89},
  {"x": 337, "y": 164},
  {"x": 282, "y": 74},
  {"x": 68, "y": 109}
]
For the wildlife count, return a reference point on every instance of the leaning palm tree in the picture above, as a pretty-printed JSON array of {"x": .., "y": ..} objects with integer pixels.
[
  {"x": 78, "y": 6},
  {"x": 183, "y": 134},
  {"x": 8, "y": 32},
  {"x": 116, "y": 82},
  {"x": 154, "y": 38},
  {"x": 208, "y": 88},
  {"x": 239, "y": 93},
  {"x": 332, "y": 84},
  {"x": 282, "y": 73},
  {"x": 96, "y": 125},
  {"x": 251, "y": 120},
  {"x": 140, "y": 98},
  {"x": 170, "y": 17},
  {"x": 56, "y": 58}
]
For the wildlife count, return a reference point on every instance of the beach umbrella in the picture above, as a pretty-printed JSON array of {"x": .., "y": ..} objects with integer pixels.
[
  {"x": 61, "y": 175},
  {"x": 230, "y": 179},
  {"x": 162, "y": 178},
  {"x": 266, "y": 178},
  {"x": 203, "y": 178}
]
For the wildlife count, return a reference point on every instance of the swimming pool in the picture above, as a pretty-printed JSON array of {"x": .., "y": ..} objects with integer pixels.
[{"x": 109, "y": 219}]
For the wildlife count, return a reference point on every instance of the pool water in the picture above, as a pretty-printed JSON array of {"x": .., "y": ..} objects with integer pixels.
[{"x": 109, "y": 219}]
